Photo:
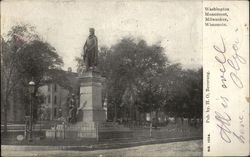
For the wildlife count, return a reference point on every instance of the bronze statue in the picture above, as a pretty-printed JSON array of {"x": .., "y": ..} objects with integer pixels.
[
  {"x": 90, "y": 50},
  {"x": 72, "y": 109}
]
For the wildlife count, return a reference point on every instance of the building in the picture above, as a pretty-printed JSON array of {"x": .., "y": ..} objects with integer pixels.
[
  {"x": 16, "y": 108},
  {"x": 56, "y": 95},
  {"x": 55, "y": 98}
]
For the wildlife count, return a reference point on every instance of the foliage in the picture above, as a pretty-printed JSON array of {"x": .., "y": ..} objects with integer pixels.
[
  {"x": 25, "y": 57},
  {"x": 139, "y": 77}
]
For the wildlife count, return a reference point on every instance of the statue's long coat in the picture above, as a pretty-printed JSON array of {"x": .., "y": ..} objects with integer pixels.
[{"x": 91, "y": 51}]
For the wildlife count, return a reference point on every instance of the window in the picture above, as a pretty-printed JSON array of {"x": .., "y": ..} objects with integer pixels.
[
  {"x": 55, "y": 100},
  {"x": 54, "y": 112},
  {"x": 48, "y": 98},
  {"x": 55, "y": 87},
  {"x": 49, "y": 87}
]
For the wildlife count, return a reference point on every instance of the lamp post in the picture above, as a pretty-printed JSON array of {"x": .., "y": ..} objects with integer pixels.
[
  {"x": 31, "y": 90},
  {"x": 105, "y": 107}
]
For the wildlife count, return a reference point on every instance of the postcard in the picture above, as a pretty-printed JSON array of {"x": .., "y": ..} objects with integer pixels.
[{"x": 124, "y": 78}]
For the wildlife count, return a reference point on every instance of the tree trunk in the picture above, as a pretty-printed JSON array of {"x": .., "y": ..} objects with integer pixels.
[
  {"x": 5, "y": 116},
  {"x": 115, "y": 116},
  {"x": 156, "y": 115},
  {"x": 130, "y": 113},
  {"x": 156, "y": 118}
]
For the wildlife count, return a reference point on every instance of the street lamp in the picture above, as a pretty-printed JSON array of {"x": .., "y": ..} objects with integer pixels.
[
  {"x": 105, "y": 106},
  {"x": 31, "y": 90}
]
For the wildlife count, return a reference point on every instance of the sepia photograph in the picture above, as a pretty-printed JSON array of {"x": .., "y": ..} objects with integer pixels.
[{"x": 101, "y": 78}]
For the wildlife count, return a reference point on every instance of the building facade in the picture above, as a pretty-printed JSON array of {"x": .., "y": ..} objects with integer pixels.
[
  {"x": 55, "y": 101},
  {"x": 55, "y": 104}
]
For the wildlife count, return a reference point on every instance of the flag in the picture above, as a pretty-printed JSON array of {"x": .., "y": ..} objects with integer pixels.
[{"x": 20, "y": 38}]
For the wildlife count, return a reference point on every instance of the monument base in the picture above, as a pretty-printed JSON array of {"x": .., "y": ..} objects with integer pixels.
[
  {"x": 92, "y": 115},
  {"x": 91, "y": 97}
]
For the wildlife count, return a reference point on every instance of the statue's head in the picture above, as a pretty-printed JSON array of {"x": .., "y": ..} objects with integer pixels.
[{"x": 91, "y": 31}]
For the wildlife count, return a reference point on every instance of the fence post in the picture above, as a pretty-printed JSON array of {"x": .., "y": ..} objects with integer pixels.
[
  {"x": 26, "y": 132},
  {"x": 150, "y": 130},
  {"x": 55, "y": 130},
  {"x": 97, "y": 132},
  {"x": 63, "y": 130}
]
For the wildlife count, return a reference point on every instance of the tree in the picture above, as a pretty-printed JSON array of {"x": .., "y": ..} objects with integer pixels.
[
  {"x": 9, "y": 77},
  {"x": 38, "y": 59},
  {"x": 139, "y": 77},
  {"x": 129, "y": 67},
  {"x": 25, "y": 57},
  {"x": 184, "y": 97},
  {"x": 195, "y": 90}
]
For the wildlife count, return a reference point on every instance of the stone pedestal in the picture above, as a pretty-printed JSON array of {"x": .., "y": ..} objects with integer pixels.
[
  {"x": 91, "y": 121},
  {"x": 91, "y": 97}
]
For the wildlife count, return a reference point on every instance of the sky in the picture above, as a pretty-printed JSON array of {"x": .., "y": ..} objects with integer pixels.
[{"x": 176, "y": 25}]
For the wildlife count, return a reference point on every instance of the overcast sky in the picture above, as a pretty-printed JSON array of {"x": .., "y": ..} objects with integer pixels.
[{"x": 65, "y": 25}]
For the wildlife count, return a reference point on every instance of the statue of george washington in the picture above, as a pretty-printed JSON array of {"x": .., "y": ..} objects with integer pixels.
[{"x": 90, "y": 50}]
